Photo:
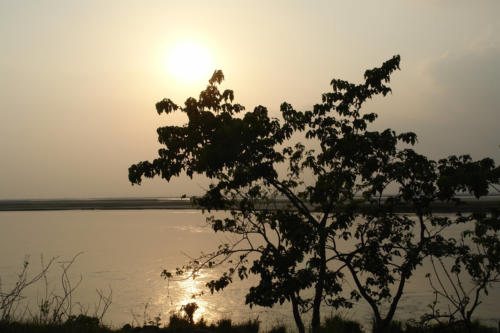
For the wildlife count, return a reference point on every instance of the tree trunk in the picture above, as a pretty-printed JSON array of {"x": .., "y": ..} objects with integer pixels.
[
  {"x": 320, "y": 285},
  {"x": 316, "y": 318},
  {"x": 296, "y": 315},
  {"x": 380, "y": 326},
  {"x": 468, "y": 323}
]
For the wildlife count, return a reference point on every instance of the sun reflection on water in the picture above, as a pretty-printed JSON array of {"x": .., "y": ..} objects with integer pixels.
[
  {"x": 185, "y": 291},
  {"x": 191, "y": 293}
]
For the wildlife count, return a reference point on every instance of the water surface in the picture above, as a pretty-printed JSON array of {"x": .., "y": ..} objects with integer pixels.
[{"x": 126, "y": 250}]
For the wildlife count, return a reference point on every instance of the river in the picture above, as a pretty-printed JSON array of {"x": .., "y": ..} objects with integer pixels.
[{"x": 126, "y": 250}]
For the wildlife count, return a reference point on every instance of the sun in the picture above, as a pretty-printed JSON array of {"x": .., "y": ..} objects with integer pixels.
[{"x": 189, "y": 63}]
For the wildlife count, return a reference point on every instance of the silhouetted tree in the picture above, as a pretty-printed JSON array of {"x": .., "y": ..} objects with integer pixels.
[
  {"x": 289, "y": 229},
  {"x": 470, "y": 269},
  {"x": 189, "y": 310}
]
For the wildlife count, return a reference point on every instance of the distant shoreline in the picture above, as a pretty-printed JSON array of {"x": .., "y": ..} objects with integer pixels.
[
  {"x": 94, "y": 204},
  {"x": 468, "y": 205}
]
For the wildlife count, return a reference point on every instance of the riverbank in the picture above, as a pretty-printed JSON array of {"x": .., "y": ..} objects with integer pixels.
[
  {"x": 180, "y": 324},
  {"x": 468, "y": 204}
]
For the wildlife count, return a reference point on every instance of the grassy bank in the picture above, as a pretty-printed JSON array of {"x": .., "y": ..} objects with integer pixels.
[{"x": 182, "y": 324}]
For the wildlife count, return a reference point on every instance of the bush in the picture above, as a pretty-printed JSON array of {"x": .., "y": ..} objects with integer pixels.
[
  {"x": 251, "y": 326},
  {"x": 202, "y": 323},
  {"x": 82, "y": 321},
  {"x": 278, "y": 329},
  {"x": 444, "y": 328},
  {"x": 341, "y": 325},
  {"x": 176, "y": 321},
  {"x": 224, "y": 325}
]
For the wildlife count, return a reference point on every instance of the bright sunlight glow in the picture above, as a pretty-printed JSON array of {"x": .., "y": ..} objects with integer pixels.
[{"x": 189, "y": 62}]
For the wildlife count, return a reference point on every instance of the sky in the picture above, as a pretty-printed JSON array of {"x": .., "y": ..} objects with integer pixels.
[{"x": 79, "y": 79}]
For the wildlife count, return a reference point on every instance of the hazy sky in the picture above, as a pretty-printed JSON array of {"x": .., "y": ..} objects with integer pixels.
[{"x": 79, "y": 79}]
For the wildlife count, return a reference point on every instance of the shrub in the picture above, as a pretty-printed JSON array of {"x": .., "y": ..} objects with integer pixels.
[
  {"x": 339, "y": 324},
  {"x": 251, "y": 326},
  {"x": 278, "y": 329},
  {"x": 176, "y": 321},
  {"x": 82, "y": 321}
]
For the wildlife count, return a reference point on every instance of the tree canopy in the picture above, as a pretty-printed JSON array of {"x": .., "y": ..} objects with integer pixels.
[{"x": 311, "y": 214}]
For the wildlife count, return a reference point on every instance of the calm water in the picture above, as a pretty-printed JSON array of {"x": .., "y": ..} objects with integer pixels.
[{"x": 127, "y": 250}]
